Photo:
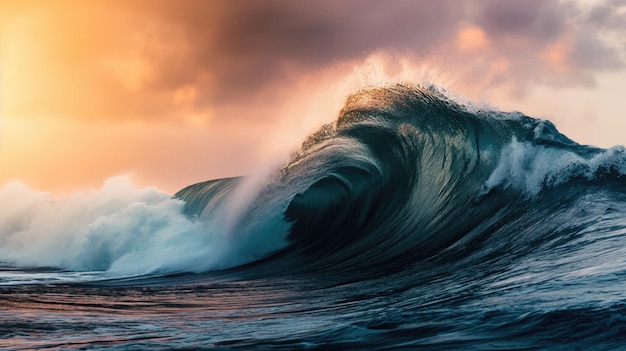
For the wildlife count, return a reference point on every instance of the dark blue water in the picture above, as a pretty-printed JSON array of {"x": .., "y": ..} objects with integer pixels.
[{"x": 412, "y": 222}]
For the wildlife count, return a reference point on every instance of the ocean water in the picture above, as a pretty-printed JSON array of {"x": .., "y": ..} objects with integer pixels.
[{"x": 412, "y": 222}]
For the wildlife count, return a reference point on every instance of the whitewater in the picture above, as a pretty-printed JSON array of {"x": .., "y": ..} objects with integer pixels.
[{"x": 413, "y": 221}]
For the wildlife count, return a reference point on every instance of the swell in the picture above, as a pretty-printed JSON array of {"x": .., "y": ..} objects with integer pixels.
[{"x": 403, "y": 173}]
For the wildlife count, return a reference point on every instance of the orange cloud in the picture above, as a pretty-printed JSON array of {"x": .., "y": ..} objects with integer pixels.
[
  {"x": 132, "y": 71},
  {"x": 88, "y": 60},
  {"x": 557, "y": 55},
  {"x": 472, "y": 38}
]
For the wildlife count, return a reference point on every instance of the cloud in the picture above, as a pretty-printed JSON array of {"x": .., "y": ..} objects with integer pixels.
[
  {"x": 244, "y": 46},
  {"x": 184, "y": 60},
  {"x": 538, "y": 20},
  {"x": 250, "y": 47},
  {"x": 609, "y": 14}
]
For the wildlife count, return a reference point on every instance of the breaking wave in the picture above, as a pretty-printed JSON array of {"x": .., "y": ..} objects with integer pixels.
[{"x": 403, "y": 174}]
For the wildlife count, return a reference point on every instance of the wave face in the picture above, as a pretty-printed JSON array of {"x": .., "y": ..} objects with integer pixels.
[{"x": 411, "y": 222}]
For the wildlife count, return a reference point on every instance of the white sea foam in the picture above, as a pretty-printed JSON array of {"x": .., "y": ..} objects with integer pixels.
[
  {"x": 120, "y": 229},
  {"x": 529, "y": 168}
]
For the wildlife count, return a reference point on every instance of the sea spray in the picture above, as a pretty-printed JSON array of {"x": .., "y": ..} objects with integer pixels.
[
  {"x": 120, "y": 230},
  {"x": 529, "y": 168}
]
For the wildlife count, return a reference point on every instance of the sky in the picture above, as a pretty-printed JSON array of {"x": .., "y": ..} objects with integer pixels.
[{"x": 177, "y": 92}]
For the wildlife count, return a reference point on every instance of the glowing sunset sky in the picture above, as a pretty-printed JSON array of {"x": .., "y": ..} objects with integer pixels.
[{"x": 177, "y": 92}]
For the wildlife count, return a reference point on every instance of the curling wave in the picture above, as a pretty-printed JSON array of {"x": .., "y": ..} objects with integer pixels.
[{"x": 403, "y": 173}]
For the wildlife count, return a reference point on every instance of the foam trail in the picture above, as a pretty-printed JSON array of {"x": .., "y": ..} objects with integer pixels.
[{"x": 120, "y": 230}]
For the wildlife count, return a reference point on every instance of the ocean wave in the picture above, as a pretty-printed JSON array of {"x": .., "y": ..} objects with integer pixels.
[{"x": 404, "y": 173}]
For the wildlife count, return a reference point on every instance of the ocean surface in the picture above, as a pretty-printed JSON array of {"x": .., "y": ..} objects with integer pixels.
[{"x": 415, "y": 221}]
